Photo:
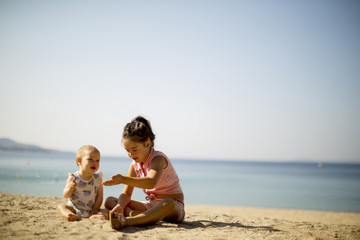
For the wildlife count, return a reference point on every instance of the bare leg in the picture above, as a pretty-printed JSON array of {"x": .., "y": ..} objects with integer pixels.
[
  {"x": 111, "y": 202},
  {"x": 167, "y": 208},
  {"x": 132, "y": 209},
  {"x": 68, "y": 212}
]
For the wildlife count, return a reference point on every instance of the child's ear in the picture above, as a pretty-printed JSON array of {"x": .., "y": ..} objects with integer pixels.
[
  {"x": 148, "y": 143},
  {"x": 78, "y": 161}
]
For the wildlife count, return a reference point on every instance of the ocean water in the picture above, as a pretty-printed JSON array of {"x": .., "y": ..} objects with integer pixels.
[{"x": 332, "y": 187}]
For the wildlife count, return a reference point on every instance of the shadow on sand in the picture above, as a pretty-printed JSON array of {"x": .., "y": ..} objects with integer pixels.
[
  {"x": 217, "y": 224},
  {"x": 198, "y": 224}
]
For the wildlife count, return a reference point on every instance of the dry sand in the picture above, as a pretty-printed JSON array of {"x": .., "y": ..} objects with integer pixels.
[{"x": 28, "y": 217}]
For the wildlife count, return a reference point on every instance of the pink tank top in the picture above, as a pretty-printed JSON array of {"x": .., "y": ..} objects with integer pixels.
[{"x": 169, "y": 181}]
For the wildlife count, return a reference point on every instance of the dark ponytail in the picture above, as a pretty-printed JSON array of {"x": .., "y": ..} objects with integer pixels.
[{"x": 139, "y": 130}]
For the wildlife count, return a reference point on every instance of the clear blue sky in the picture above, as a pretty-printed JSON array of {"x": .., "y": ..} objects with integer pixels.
[{"x": 246, "y": 80}]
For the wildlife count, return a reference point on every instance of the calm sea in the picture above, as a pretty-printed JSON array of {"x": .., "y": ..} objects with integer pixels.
[{"x": 331, "y": 187}]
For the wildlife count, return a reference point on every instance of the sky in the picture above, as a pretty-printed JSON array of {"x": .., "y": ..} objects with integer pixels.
[{"x": 225, "y": 80}]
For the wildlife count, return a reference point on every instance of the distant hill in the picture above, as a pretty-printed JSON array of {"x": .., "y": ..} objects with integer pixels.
[{"x": 8, "y": 145}]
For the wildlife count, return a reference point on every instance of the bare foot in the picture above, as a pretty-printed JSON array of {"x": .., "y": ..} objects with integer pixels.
[
  {"x": 73, "y": 217},
  {"x": 117, "y": 221}
]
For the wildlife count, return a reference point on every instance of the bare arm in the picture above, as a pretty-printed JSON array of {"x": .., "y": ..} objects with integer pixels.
[
  {"x": 148, "y": 182},
  {"x": 99, "y": 198},
  {"x": 125, "y": 197},
  {"x": 69, "y": 187}
]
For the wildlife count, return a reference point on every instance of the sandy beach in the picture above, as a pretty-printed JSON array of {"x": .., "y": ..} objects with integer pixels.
[{"x": 33, "y": 217}]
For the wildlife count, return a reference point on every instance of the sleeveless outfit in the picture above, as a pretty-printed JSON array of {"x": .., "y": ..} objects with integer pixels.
[
  {"x": 168, "y": 183},
  {"x": 85, "y": 193}
]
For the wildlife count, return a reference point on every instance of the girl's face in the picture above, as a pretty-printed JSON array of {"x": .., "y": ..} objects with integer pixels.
[
  {"x": 138, "y": 151},
  {"x": 89, "y": 162}
]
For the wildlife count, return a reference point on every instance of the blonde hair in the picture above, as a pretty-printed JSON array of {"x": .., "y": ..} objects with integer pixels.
[{"x": 84, "y": 150}]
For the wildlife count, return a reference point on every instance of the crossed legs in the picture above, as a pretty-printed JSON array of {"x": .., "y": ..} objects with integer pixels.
[{"x": 137, "y": 214}]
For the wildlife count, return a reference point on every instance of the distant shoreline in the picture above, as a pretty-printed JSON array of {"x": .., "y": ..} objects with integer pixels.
[{"x": 9, "y": 145}]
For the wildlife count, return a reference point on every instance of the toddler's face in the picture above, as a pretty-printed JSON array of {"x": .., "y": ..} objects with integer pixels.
[
  {"x": 90, "y": 161},
  {"x": 138, "y": 151}
]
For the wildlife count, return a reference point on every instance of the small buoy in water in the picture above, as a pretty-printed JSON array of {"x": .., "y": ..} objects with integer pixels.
[
  {"x": 56, "y": 177},
  {"x": 319, "y": 165},
  {"x": 37, "y": 175},
  {"x": 18, "y": 176},
  {"x": 28, "y": 162}
]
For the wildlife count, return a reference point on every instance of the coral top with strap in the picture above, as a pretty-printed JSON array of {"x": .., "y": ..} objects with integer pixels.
[{"x": 168, "y": 183}]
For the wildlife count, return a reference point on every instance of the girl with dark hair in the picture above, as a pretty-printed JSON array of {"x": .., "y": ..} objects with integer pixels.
[{"x": 150, "y": 170}]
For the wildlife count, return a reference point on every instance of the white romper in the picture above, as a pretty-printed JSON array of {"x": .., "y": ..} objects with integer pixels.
[{"x": 85, "y": 193}]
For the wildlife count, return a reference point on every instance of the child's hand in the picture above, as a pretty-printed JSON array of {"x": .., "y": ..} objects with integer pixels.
[
  {"x": 69, "y": 187},
  {"x": 94, "y": 211},
  {"x": 118, "y": 209},
  {"x": 115, "y": 179},
  {"x": 72, "y": 184}
]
